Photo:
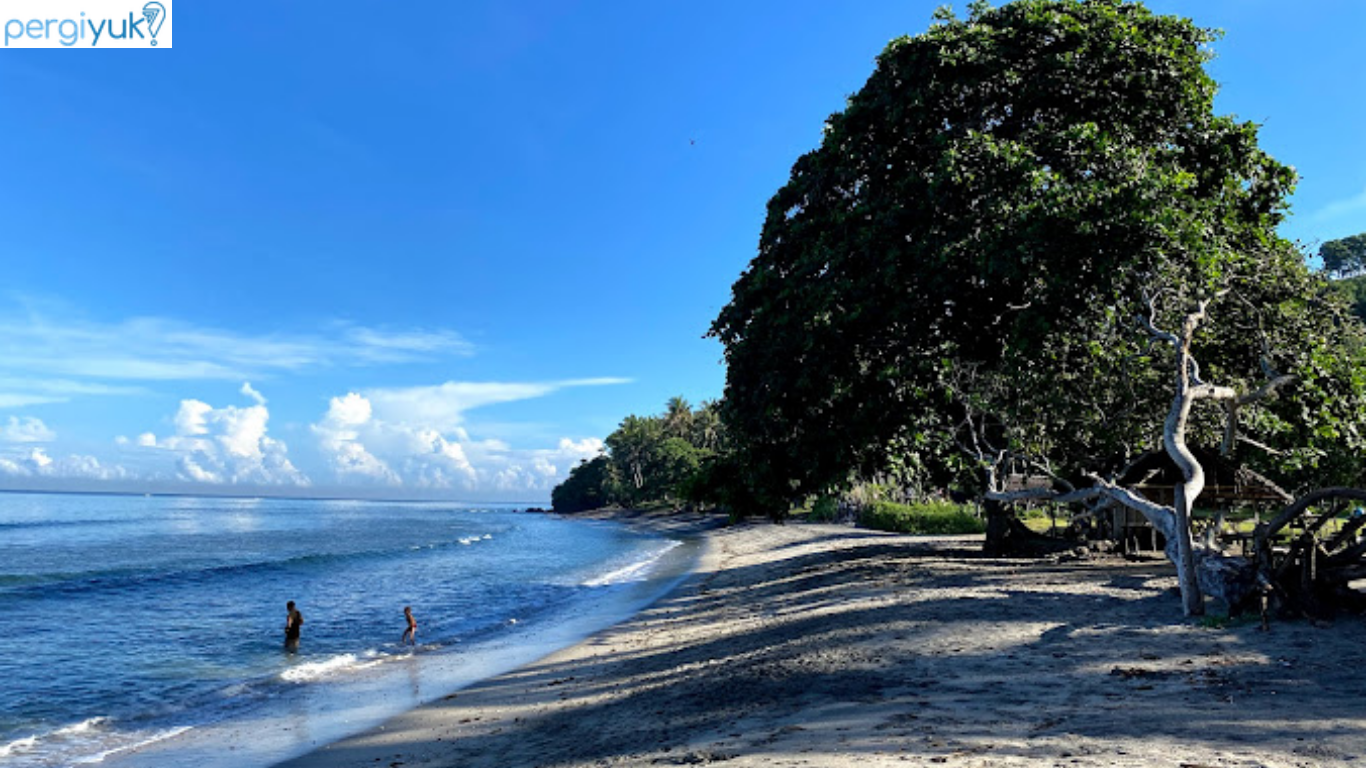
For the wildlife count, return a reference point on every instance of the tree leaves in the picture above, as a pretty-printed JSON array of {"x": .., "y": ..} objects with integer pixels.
[{"x": 977, "y": 230}]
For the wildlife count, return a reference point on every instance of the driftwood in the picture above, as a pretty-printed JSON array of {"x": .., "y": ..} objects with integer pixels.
[{"x": 1307, "y": 569}]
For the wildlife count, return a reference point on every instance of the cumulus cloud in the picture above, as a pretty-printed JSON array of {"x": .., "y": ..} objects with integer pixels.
[
  {"x": 227, "y": 445},
  {"x": 37, "y": 463},
  {"x": 339, "y": 437},
  {"x": 440, "y": 463},
  {"x": 541, "y": 469},
  {"x": 26, "y": 429},
  {"x": 586, "y": 448},
  {"x": 89, "y": 467},
  {"x": 414, "y": 437},
  {"x": 39, "y": 459},
  {"x": 192, "y": 417}
]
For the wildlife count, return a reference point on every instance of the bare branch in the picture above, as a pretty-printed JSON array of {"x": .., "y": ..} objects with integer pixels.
[
  {"x": 1162, "y": 517},
  {"x": 1268, "y": 389},
  {"x": 1263, "y": 446},
  {"x": 1149, "y": 323}
]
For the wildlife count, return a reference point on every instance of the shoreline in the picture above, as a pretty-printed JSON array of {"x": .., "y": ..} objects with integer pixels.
[
  {"x": 822, "y": 645},
  {"x": 276, "y": 717}
]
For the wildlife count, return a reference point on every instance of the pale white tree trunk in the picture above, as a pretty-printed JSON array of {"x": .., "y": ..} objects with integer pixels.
[
  {"x": 1180, "y": 548},
  {"x": 1173, "y": 522}
]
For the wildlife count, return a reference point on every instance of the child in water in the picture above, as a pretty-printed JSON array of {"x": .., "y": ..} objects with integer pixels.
[{"x": 409, "y": 634}]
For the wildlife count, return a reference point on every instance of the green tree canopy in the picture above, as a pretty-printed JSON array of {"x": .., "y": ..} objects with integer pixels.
[
  {"x": 589, "y": 486},
  {"x": 1345, "y": 256},
  {"x": 649, "y": 459},
  {"x": 976, "y": 234}
]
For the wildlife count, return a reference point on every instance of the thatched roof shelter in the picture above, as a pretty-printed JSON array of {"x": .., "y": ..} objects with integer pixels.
[{"x": 1227, "y": 484}]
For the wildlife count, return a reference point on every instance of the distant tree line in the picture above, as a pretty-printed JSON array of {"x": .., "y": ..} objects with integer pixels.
[
  {"x": 1344, "y": 257},
  {"x": 661, "y": 459}
]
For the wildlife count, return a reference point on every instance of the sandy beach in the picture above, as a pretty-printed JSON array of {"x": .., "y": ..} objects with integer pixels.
[{"x": 818, "y": 645}]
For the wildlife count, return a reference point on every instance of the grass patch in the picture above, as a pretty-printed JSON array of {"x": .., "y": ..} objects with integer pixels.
[
  {"x": 824, "y": 510},
  {"x": 1219, "y": 621},
  {"x": 932, "y": 518},
  {"x": 1214, "y": 621}
]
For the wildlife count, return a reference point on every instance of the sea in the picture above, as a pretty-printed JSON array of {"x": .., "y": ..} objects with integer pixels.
[{"x": 148, "y": 631}]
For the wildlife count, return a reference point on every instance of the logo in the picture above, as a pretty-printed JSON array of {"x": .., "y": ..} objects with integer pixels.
[
  {"x": 156, "y": 16},
  {"x": 85, "y": 24}
]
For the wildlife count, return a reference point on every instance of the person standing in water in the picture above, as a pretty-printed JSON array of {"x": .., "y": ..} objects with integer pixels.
[
  {"x": 409, "y": 634},
  {"x": 294, "y": 622}
]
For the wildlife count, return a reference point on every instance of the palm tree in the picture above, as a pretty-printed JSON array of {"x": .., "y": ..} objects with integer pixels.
[
  {"x": 706, "y": 426},
  {"x": 677, "y": 417}
]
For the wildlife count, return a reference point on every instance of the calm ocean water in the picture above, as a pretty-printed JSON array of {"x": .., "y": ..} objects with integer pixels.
[{"x": 148, "y": 630}]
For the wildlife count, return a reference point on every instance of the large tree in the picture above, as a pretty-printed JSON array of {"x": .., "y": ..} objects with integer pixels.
[
  {"x": 1344, "y": 256},
  {"x": 967, "y": 251}
]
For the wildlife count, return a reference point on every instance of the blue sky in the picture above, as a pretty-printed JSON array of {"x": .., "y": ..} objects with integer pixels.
[{"x": 441, "y": 249}]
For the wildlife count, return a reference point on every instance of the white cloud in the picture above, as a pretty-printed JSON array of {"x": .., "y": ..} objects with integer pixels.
[
  {"x": 350, "y": 459},
  {"x": 414, "y": 437},
  {"x": 243, "y": 431},
  {"x": 443, "y": 406},
  {"x": 67, "y": 388},
  {"x": 191, "y": 470},
  {"x": 350, "y": 411},
  {"x": 586, "y": 448},
  {"x": 39, "y": 459},
  {"x": 192, "y": 418},
  {"x": 440, "y": 463},
  {"x": 24, "y": 399},
  {"x": 37, "y": 463},
  {"x": 338, "y": 435},
  {"x": 542, "y": 469},
  {"x": 26, "y": 429},
  {"x": 90, "y": 468},
  {"x": 252, "y": 393},
  {"x": 397, "y": 346},
  {"x": 19, "y": 392},
  {"x": 47, "y": 339},
  {"x": 227, "y": 445}
]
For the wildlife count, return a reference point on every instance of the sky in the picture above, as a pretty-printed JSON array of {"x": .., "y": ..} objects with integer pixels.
[{"x": 440, "y": 250}]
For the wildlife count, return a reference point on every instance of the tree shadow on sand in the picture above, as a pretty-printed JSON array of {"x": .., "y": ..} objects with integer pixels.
[{"x": 884, "y": 647}]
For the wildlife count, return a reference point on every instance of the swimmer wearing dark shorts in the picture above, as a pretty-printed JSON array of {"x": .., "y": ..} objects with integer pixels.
[{"x": 294, "y": 623}]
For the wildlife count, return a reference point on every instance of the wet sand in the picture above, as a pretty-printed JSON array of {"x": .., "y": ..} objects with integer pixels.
[{"x": 816, "y": 645}]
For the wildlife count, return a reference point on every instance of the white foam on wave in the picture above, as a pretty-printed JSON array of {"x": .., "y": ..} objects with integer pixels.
[
  {"x": 29, "y": 743},
  {"x": 318, "y": 670},
  {"x": 99, "y": 757},
  {"x": 468, "y": 540},
  {"x": 83, "y": 743},
  {"x": 82, "y": 727},
  {"x": 636, "y": 571},
  {"x": 18, "y": 746}
]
